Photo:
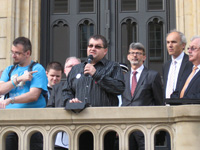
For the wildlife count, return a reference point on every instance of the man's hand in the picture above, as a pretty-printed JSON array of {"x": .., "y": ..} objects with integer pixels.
[
  {"x": 27, "y": 76},
  {"x": 75, "y": 100},
  {"x": 4, "y": 103},
  {"x": 89, "y": 69}
]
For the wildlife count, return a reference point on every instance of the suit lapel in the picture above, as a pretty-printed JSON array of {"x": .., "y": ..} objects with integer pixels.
[
  {"x": 140, "y": 82},
  {"x": 127, "y": 84},
  {"x": 166, "y": 71},
  {"x": 183, "y": 64},
  {"x": 192, "y": 81}
]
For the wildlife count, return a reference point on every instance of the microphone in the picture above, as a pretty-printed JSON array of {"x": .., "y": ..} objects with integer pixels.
[{"x": 90, "y": 58}]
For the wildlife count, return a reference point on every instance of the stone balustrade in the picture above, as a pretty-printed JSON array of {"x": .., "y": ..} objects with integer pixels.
[{"x": 181, "y": 122}]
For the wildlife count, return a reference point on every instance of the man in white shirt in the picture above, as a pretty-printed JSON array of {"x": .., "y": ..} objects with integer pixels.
[
  {"x": 143, "y": 87},
  {"x": 174, "y": 68}
]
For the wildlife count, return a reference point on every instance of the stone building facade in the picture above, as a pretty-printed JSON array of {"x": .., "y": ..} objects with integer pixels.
[{"x": 23, "y": 18}]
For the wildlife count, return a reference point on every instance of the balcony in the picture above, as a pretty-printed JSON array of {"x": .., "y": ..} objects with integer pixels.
[{"x": 181, "y": 122}]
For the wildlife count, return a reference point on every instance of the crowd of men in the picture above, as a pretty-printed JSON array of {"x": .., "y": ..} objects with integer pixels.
[{"x": 100, "y": 82}]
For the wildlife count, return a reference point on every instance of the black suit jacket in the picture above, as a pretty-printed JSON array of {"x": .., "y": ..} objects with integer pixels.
[
  {"x": 193, "y": 89},
  {"x": 185, "y": 65},
  {"x": 148, "y": 90}
]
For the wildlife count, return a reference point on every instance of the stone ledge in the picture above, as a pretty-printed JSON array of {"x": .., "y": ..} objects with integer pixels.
[{"x": 93, "y": 115}]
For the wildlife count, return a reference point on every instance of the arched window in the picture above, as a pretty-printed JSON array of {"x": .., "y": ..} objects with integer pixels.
[
  {"x": 86, "y": 141},
  {"x": 162, "y": 140},
  {"x": 155, "y": 38},
  {"x": 60, "y": 41},
  {"x": 86, "y": 29},
  {"x": 128, "y": 35},
  {"x": 156, "y": 43}
]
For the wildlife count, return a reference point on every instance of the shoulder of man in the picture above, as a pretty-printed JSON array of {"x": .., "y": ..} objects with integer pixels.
[
  {"x": 153, "y": 72},
  {"x": 59, "y": 85},
  {"x": 36, "y": 66}
]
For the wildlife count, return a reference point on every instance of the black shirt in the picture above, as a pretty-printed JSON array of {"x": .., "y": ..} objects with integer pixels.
[{"x": 101, "y": 89}]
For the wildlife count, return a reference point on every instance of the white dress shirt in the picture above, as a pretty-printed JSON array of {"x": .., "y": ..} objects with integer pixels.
[{"x": 178, "y": 60}]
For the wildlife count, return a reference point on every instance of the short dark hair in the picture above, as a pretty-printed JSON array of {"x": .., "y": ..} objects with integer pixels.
[
  {"x": 25, "y": 42},
  {"x": 101, "y": 37},
  {"x": 55, "y": 66},
  {"x": 138, "y": 46}
]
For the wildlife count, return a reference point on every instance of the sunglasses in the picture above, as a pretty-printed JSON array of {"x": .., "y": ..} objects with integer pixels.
[{"x": 95, "y": 46}]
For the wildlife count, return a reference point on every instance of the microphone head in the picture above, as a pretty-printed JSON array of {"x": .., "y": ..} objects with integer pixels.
[{"x": 90, "y": 57}]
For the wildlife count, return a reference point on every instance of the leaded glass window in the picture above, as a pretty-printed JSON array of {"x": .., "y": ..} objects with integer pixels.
[{"x": 86, "y": 29}]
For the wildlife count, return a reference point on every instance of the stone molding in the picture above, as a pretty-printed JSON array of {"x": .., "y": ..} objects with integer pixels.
[{"x": 180, "y": 122}]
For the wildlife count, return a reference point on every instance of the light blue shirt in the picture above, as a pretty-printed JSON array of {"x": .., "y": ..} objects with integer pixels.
[{"x": 39, "y": 80}]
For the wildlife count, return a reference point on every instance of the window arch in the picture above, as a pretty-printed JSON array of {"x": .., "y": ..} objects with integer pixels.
[
  {"x": 155, "y": 39},
  {"x": 128, "y": 35},
  {"x": 60, "y": 31},
  {"x": 162, "y": 140},
  {"x": 86, "y": 29}
]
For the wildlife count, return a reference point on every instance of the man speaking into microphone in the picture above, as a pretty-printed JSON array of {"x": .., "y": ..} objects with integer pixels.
[{"x": 97, "y": 81}]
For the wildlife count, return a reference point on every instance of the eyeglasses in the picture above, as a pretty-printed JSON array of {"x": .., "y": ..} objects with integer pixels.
[
  {"x": 135, "y": 53},
  {"x": 95, "y": 46},
  {"x": 16, "y": 53},
  {"x": 70, "y": 66},
  {"x": 192, "y": 48}
]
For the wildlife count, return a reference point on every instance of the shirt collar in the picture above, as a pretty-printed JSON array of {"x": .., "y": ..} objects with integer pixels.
[
  {"x": 197, "y": 66},
  {"x": 179, "y": 58},
  {"x": 49, "y": 86},
  {"x": 139, "y": 70}
]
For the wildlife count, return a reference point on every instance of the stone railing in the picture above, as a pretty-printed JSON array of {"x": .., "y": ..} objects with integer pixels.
[{"x": 181, "y": 122}]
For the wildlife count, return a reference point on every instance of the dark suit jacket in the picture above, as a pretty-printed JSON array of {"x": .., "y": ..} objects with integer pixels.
[
  {"x": 186, "y": 64},
  {"x": 193, "y": 89},
  {"x": 56, "y": 98},
  {"x": 148, "y": 90}
]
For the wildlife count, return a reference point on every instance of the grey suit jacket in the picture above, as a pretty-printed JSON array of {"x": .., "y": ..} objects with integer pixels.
[
  {"x": 185, "y": 65},
  {"x": 56, "y": 98},
  {"x": 148, "y": 91}
]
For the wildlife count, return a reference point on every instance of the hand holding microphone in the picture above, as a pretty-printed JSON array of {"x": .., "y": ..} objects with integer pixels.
[{"x": 89, "y": 68}]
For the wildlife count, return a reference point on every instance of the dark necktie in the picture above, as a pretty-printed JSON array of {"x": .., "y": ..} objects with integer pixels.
[{"x": 134, "y": 83}]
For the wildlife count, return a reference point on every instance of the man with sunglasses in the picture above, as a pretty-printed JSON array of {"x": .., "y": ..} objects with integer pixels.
[
  {"x": 189, "y": 87},
  {"x": 174, "y": 68},
  {"x": 26, "y": 88},
  {"x": 143, "y": 87},
  {"x": 97, "y": 82}
]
